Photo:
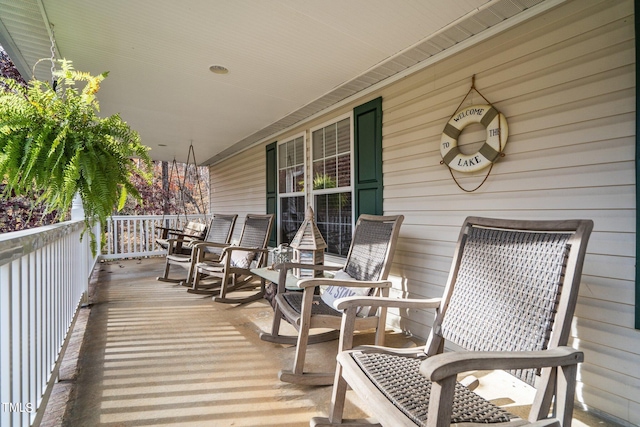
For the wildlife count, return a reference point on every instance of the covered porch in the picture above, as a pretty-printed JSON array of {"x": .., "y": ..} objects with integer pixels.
[
  {"x": 148, "y": 353},
  {"x": 562, "y": 71}
]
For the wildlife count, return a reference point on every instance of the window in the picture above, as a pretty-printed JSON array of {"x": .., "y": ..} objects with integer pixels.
[
  {"x": 343, "y": 179},
  {"x": 291, "y": 181},
  {"x": 331, "y": 184}
]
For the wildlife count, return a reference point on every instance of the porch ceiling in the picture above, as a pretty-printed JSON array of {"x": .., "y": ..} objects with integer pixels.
[{"x": 287, "y": 59}]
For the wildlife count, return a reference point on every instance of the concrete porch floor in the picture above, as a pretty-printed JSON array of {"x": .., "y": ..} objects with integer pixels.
[{"x": 149, "y": 353}]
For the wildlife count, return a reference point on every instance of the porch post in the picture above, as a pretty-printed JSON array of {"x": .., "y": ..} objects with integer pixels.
[{"x": 77, "y": 209}]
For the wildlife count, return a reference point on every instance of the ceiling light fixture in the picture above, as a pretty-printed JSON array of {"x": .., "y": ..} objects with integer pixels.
[{"x": 218, "y": 69}]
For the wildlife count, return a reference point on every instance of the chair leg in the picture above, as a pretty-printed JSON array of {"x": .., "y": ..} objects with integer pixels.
[
  {"x": 297, "y": 375},
  {"x": 566, "y": 388},
  {"x": 336, "y": 410},
  {"x": 189, "y": 274},
  {"x": 165, "y": 277},
  {"x": 275, "y": 336},
  {"x": 338, "y": 396},
  {"x": 301, "y": 349}
]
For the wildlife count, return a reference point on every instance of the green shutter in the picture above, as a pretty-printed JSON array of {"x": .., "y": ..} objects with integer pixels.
[
  {"x": 272, "y": 189},
  {"x": 367, "y": 119}
]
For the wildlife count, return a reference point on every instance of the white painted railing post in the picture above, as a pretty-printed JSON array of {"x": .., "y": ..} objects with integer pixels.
[{"x": 77, "y": 208}]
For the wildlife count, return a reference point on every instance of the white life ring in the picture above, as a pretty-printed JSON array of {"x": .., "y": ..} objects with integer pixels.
[{"x": 497, "y": 133}]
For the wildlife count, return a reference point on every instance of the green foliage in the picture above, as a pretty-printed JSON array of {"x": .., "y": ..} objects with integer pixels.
[
  {"x": 322, "y": 181},
  {"x": 53, "y": 142}
]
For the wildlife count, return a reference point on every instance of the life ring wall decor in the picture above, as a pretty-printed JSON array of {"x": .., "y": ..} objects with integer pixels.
[{"x": 497, "y": 134}]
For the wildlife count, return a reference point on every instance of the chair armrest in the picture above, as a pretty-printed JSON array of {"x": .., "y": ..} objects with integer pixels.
[
  {"x": 199, "y": 249},
  {"x": 441, "y": 366},
  {"x": 231, "y": 248},
  {"x": 200, "y": 243},
  {"x": 286, "y": 266},
  {"x": 351, "y": 305},
  {"x": 227, "y": 251},
  {"x": 318, "y": 267},
  {"x": 174, "y": 244},
  {"x": 182, "y": 234},
  {"x": 349, "y": 302},
  {"x": 324, "y": 281}
]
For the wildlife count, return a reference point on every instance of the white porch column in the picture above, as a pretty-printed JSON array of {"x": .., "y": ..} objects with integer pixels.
[{"x": 77, "y": 209}]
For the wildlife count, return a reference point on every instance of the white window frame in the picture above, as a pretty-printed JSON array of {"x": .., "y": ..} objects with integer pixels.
[
  {"x": 305, "y": 151},
  {"x": 350, "y": 188}
]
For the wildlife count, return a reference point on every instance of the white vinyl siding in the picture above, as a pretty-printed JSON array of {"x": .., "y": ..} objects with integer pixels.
[
  {"x": 238, "y": 186},
  {"x": 565, "y": 80},
  {"x": 566, "y": 83}
]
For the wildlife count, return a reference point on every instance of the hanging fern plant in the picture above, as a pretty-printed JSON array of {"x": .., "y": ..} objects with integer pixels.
[{"x": 53, "y": 143}]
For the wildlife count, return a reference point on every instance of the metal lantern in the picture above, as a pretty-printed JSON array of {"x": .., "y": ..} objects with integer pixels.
[
  {"x": 281, "y": 254},
  {"x": 308, "y": 247}
]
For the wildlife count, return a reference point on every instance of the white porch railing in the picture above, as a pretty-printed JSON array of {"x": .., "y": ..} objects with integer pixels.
[
  {"x": 131, "y": 236},
  {"x": 44, "y": 276}
]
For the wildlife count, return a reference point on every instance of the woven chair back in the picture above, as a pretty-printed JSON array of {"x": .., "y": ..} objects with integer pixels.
[
  {"x": 255, "y": 232},
  {"x": 506, "y": 292},
  {"x": 372, "y": 243},
  {"x": 220, "y": 230}
]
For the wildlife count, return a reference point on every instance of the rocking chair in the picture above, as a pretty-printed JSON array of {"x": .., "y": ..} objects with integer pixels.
[
  {"x": 233, "y": 271},
  {"x": 218, "y": 235},
  {"x": 508, "y": 304},
  {"x": 364, "y": 273}
]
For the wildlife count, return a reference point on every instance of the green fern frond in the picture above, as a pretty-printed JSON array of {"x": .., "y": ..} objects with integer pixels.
[{"x": 56, "y": 143}]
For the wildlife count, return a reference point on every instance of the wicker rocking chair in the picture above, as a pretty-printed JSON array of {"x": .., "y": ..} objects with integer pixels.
[
  {"x": 364, "y": 273},
  {"x": 218, "y": 235},
  {"x": 508, "y": 303},
  {"x": 233, "y": 271}
]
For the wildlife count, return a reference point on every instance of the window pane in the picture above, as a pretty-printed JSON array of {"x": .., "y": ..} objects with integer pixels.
[
  {"x": 331, "y": 156},
  {"x": 330, "y": 173},
  {"x": 282, "y": 181},
  {"x": 282, "y": 156},
  {"x": 333, "y": 217},
  {"x": 298, "y": 184},
  {"x": 291, "y": 166},
  {"x": 290, "y": 154},
  {"x": 318, "y": 173},
  {"x": 344, "y": 136},
  {"x": 291, "y": 217},
  {"x": 321, "y": 209},
  {"x": 299, "y": 151},
  {"x": 318, "y": 141},
  {"x": 344, "y": 171},
  {"x": 330, "y": 140}
]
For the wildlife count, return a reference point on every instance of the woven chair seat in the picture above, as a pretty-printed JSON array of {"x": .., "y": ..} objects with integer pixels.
[
  {"x": 400, "y": 381},
  {"x": 179, "y": 257},
  {"x": 210, "y": 266},
  {"x": 294, "y": 299}
]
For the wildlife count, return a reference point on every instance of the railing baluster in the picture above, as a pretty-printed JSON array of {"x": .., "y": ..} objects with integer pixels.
[
  {"x": 44, "y": 275},
  {"x": 133, "y": 236},
  {"x": 16, "y": 340}
]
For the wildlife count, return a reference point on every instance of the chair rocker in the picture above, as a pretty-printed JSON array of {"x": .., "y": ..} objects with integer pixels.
[
  {"x": 233, "y": 271},
  {"x": 219, "y": 234},
  {"x": 508, "y": 304},
  {"x": 364, "y": 273},
  {"x": 192, "y": 231}
]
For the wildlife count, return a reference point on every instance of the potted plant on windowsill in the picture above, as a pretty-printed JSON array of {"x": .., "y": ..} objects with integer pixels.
[{"x": 53, "y": 143}]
